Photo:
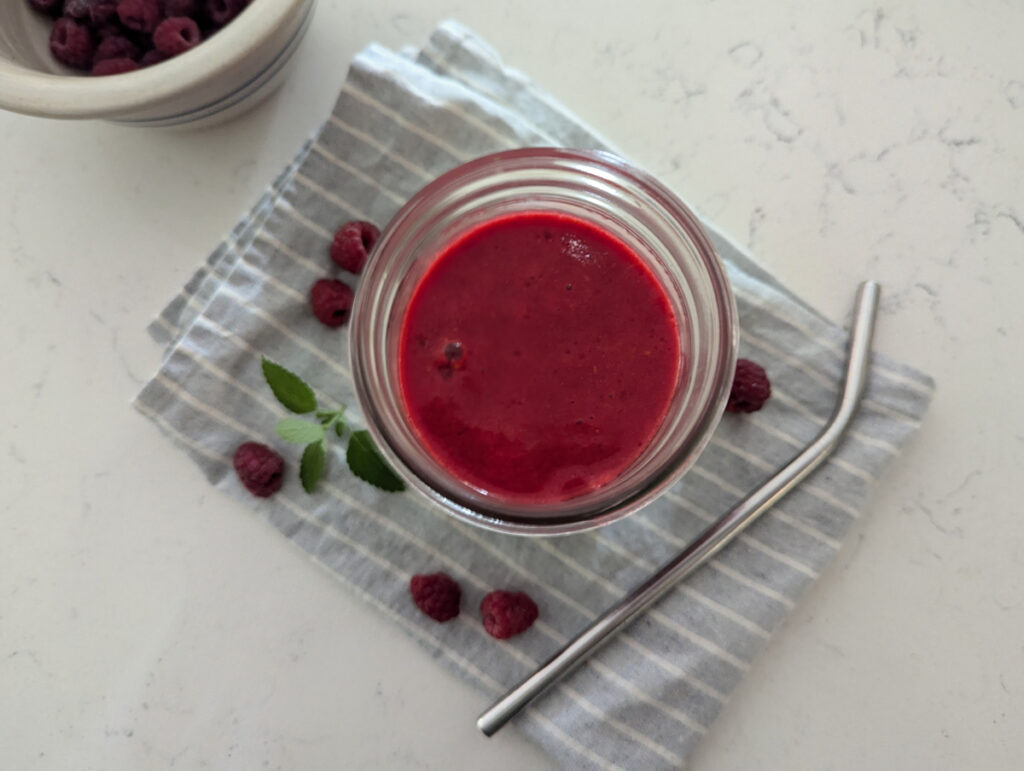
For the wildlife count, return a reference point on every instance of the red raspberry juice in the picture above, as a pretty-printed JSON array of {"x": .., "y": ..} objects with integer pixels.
[{"x": 538, "y": 357}]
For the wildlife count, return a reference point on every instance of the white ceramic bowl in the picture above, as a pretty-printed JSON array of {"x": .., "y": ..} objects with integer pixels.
[{"x": 222, "y": 77}]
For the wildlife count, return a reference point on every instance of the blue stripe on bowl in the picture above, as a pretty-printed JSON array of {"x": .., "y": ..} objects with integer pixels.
[{"x": 240, "y": 94}]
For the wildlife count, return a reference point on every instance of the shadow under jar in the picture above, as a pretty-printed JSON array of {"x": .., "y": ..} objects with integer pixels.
[{"x": 604, "y": 219}]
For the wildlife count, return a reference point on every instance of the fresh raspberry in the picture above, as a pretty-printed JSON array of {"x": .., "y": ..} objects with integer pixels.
[
  {"x": 750, "y": 387},
  {"x": 110, "y": 29},
  {"x": 174, "y": 8},
  {"x": 352, "y": 244},
  {"x": 332, "y": 301},
  {"x": 114, "y": 66},
  {"x": 259, "y": 468},
  {"x": 78, "y": 9},
  {"x": 151, "y": 57},
  {"x": 220, "y": 12},
  {"x": 140, "y": 15},
  {"x": 115, "y": 47},
  {"x": 176, "y": 36},
  {"x": 71, "y": 44},
  {"x": 82, "y": 24},
  {"x": 505, "y": 614},
  {"x": 51, "y": 7},
  {"x": 436, "y": 594},
  {"x": 103, "y": 12}
]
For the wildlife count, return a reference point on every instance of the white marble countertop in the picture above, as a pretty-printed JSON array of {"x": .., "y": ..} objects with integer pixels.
[{"x": 147, "y": 621}]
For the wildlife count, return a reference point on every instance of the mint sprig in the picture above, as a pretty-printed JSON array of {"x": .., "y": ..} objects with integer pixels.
[
  {"x": 366, "y": 463},
  {"x": 289, "y": 388},
  {"x": 311, "y": 467},
  {"x": 362, "y": 456},
  {"x": 299, "y": 431}
]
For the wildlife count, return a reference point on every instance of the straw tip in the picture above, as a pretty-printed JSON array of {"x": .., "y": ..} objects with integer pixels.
[
  {"x": 487, "y": 726},
  {"x": 870, "y": 286}
]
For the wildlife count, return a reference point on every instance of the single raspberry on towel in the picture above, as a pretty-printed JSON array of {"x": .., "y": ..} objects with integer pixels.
[
  {"x": 750, "y": 387},
  {"x": 332, "y": 301},
  {"x": 436, "y": 594},
  {"x": 352, "y": 245},
  {"x": 505, "y": 614},
  {"x": 259, "y": 468}
]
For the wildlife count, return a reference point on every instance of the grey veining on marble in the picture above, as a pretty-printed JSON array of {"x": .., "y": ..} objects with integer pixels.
[{"x": 147, "y": 623}]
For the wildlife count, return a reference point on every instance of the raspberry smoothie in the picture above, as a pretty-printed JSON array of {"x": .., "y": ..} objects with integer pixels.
[{"x": 538, "y": 357}]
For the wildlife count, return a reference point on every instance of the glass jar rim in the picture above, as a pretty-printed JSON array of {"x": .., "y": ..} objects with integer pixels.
[{"x": 618, "y": 190}]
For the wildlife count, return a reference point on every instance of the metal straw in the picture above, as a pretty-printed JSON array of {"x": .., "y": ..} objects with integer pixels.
[{"x": 716, "y": 536}]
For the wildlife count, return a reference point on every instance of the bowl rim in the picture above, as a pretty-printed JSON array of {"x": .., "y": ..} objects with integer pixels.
[{"x": 45, "y": 94}]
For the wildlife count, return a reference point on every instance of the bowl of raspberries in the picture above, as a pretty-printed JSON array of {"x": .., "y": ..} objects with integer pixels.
[{"x": 145, "y": 62}]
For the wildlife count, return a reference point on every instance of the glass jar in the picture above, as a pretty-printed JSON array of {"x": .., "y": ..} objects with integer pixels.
[{"x": 624, "y": 202}]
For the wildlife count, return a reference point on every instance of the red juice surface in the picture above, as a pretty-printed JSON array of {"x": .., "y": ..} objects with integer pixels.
[{"x": 538, "y": 357}]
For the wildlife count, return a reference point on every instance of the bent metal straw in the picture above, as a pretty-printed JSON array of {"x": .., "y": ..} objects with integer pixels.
[{"x": 715, "y": 537}]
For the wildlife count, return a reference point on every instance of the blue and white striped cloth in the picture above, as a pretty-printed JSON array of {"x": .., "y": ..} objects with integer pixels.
[{"x": 646, "y": 699}]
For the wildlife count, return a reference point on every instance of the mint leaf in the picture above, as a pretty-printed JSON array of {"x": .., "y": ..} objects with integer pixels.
[
  {"x": 289, "y": 388},
  {"x": 366, "y": 463},
  {"x": 311, "y": 467},
  {"x": 299, "y": 431},
  {"x": 339, "y": 429}
]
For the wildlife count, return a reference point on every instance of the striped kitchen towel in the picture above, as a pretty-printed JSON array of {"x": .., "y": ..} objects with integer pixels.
[{"x": 645, "y": 700}]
